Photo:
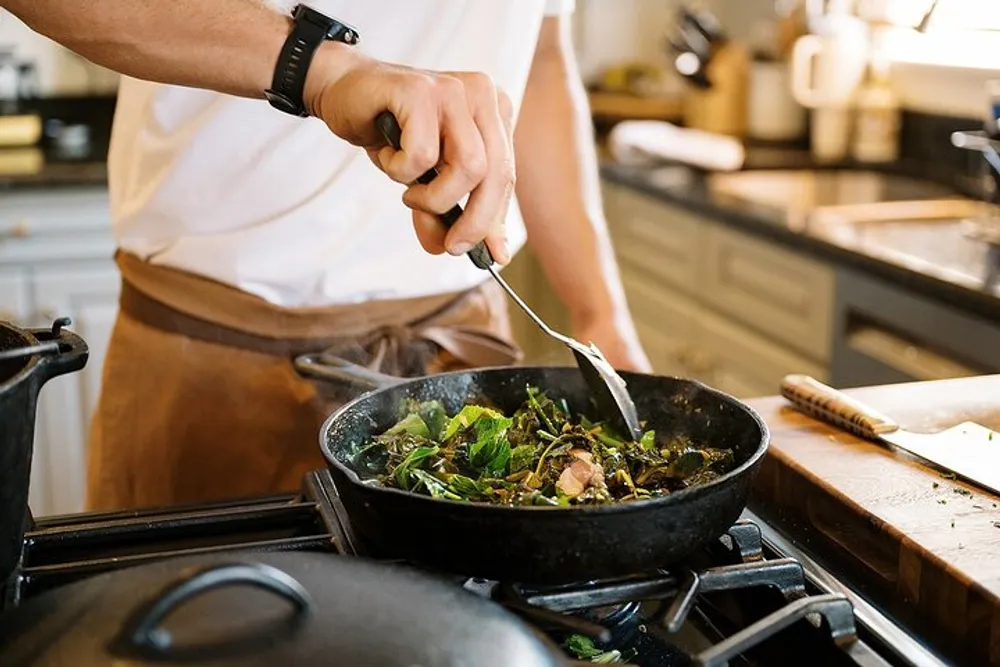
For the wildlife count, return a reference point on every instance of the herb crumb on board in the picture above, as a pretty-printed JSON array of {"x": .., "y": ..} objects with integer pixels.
[
  {"x": 948, "y": 475},
  {"x": 996, "y": 524},
  {"x": 963, "y": 492},
  {"x": 935, "y": 485},
  {"x": 942, "y": 501},
  {"x": 952, "y": 523}
]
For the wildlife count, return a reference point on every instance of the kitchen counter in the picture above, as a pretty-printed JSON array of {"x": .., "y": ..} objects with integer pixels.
[
  {"x": 922, "y": 546},
  {"x": 55, "y": 172},
  {"x": 931, "y": 257},
  {"x": 45, "y": 165}
]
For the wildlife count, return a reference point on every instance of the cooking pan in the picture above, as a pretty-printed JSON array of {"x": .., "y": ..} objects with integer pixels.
[
  {"x": 537, "y": 544},
  {"x": 265, "y": 609},
  {"x": 29, "y": 358}
]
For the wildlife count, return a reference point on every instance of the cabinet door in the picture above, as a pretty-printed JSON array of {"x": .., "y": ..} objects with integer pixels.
[
  {"x": 744, "y": 364},
  {"x": 781, "y": 293},
  {"x": 88, "y": 294},
  {"x": 15, "y": 300},
  {"x": 664, "y": 320},
  {"x": 654, "y": 237}
]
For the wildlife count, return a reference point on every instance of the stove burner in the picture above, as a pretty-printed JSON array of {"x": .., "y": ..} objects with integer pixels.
[{"x": 718, "y": 608}]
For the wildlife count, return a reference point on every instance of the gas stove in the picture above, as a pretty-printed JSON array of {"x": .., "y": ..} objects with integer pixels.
[{"x": 751, "y": 598}]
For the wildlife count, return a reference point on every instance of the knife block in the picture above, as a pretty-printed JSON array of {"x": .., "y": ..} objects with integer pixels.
[{"x": 722, "y": 108}]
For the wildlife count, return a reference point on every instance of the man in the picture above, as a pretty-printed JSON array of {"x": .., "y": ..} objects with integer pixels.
[{"x": 248, "y": 236}]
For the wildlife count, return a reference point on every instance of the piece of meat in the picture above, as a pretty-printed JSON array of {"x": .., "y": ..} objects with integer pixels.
[{"x": 580, "y": 474}]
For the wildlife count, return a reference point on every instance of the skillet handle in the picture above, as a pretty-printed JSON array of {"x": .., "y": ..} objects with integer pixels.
[
  {"x": 389, "y": 127},
  {"x": 339, "y": 371}
]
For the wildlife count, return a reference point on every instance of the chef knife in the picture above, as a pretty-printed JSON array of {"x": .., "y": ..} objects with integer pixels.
[{"x": 968, "y": 450}]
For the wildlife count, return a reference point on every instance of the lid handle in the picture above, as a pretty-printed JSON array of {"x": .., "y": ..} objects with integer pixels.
[{"x": 146, "y": 631}]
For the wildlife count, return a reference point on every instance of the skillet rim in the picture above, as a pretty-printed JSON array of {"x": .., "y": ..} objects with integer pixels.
[{"x": 752, "y": 462}]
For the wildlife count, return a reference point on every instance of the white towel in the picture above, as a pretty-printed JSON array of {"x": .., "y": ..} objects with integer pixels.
[{"x": 642, "y": 141}]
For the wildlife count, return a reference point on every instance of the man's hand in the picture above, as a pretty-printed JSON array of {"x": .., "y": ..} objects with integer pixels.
[{"x": 456, "y": 121}]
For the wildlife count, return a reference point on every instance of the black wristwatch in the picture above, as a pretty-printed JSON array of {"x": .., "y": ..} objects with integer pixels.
[{"x": 310, "y": 29}]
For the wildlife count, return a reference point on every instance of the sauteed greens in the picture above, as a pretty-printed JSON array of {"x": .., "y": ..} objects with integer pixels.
[
  {"x": 583, "y": 648},
  {"x": 542, "y": 454}
]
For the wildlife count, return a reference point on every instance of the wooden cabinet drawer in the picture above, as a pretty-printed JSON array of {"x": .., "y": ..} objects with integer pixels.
[
  {"x": 655, "y": 237},
  {"x": 773, "y": 290},
  {"x": 745, "y": 364},
  {"x": 39, "y": 212},
  {"x": 58, "y": 248},
  {"x": 665, "y": 322}
]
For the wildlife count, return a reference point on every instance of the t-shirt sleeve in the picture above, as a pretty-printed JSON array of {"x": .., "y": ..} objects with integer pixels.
[{"x": 558, "y": 7}]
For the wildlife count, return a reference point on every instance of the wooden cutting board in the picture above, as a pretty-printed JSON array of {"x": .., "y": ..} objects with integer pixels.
[{"x": 924, "y": 547}]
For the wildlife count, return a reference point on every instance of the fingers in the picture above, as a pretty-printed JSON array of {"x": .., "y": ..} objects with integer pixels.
[
  {"x": 496, "y": 238},
  {"x": 420, "y": 143},
  {"x": 488, "y": 201},
  {"x": 460, "y": 124},
  {"x": 430, "y": 232},
  {"x": 463, "y": 163}
]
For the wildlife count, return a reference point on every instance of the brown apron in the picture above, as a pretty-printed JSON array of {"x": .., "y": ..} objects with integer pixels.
[{"x": 200, "y": 401}]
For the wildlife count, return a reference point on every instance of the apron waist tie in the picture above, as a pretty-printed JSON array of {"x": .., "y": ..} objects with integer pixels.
[{"x": 384, "y": 346}]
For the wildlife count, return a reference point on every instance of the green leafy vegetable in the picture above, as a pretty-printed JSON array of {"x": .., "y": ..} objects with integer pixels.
[
  {"x": 541, "y": 454},
  {"x": 648, "y": 441},
  {"x": 404, "y": 470},
  {"x": 583, "y": 648},
  {"x": 432, "y": 413},
  {"x": 412, "y": 424}
]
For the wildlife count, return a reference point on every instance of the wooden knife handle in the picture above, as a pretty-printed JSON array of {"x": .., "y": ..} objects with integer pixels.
[{"x": 818, "y": 400}]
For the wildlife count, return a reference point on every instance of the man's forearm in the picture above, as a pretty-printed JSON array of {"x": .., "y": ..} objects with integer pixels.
[
  {"x": 229, "y": 46},
  {"x": 558, "y": 187}
]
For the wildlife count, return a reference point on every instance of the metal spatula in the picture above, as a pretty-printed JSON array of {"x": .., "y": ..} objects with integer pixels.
[{"x": 608, "y": 388}]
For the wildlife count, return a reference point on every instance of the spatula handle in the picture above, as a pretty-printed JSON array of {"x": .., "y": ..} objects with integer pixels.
[
  {"x": 818, "y": 400},
  {"x": 389, "y": 127}
]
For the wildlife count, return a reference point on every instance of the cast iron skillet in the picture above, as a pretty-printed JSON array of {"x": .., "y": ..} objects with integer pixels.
[{"x": 538, "y": 545}]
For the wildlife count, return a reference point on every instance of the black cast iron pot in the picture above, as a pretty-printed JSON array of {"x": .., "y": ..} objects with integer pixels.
[
  {"x": 28, "y": 359},
  {"x": 269, "y": 609}
]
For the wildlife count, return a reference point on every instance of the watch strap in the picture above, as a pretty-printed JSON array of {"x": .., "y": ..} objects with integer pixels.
[{"x": 309, "y": 29}]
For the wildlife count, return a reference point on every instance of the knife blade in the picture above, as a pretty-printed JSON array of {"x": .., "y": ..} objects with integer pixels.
[{"x": 969, "y": 450}]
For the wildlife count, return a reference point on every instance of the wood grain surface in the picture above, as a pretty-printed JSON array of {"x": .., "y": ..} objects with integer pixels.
[{"x": 925, "y": 547}]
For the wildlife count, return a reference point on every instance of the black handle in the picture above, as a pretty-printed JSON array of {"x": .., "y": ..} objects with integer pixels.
[
  {"x": 389, "y": 127},
  {"x": 328, "y": 368},
  {"x": 71, "y": 356},
  {"x": 146, "y": 633}
]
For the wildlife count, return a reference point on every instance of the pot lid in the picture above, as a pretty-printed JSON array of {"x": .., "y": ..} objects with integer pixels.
[{"x": 246, "y": 608}]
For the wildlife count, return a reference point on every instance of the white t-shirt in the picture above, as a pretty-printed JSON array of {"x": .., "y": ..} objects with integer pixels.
[{"x": 234, "y": 190}]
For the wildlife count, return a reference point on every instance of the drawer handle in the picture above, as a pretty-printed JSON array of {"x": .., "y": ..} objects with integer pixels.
[{"x": 19, "y": 230}]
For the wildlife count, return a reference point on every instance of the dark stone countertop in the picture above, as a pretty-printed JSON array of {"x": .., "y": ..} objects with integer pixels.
[
  {"x": 57, "y": 173},
  {"x": 935, "y": 258},
  {"x": 55, "y": 169}
]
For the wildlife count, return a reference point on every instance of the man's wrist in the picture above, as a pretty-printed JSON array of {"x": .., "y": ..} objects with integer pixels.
[{"x": 330, "y": 63}]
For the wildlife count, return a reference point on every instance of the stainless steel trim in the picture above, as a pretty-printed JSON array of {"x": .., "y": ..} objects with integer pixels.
[{"x": 902, "y": 643}]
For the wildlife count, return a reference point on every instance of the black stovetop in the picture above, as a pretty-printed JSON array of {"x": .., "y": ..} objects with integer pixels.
[{"x": 748, "y": 599}]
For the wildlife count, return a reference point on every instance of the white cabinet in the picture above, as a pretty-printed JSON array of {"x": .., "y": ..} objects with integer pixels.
[
  {"x": 56, "y": 260},
  {"x": 712, "y": 304},
  {"x": 15, "y": 294},
  {"x": 88, "y": 294}
]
